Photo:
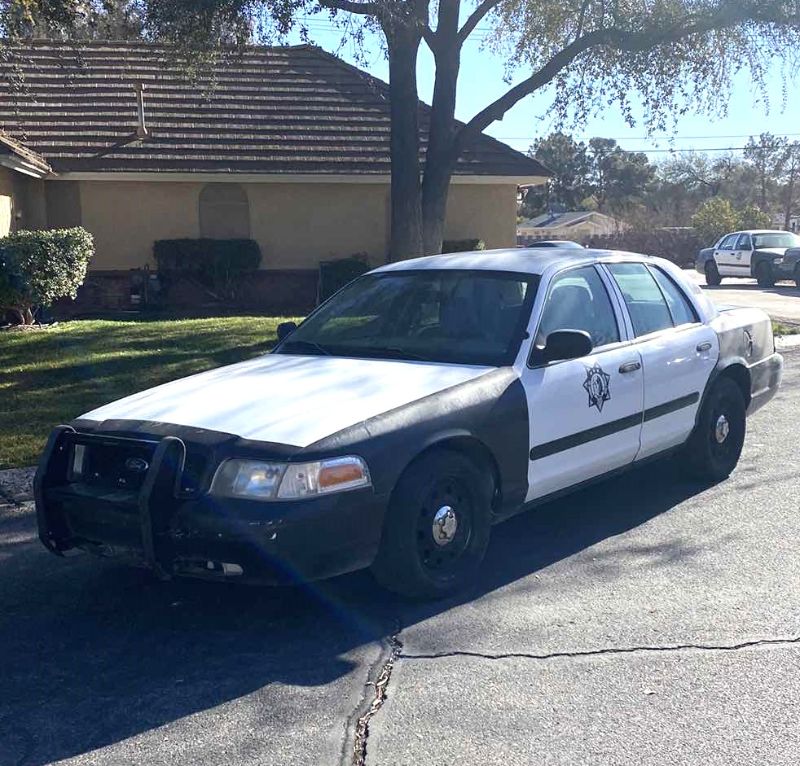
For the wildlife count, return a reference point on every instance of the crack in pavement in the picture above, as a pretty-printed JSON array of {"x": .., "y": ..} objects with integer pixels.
[
  {"x": 359, "y": 721},
  {"x": 607, "y": 651}
]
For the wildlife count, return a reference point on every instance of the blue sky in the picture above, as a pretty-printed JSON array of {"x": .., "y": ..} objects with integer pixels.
[{"x": 481, "y": 82}]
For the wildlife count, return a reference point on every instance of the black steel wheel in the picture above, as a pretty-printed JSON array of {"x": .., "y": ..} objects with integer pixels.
[
  {"x": 712, "y": 273},
  {"x": 716, "y": 443},
  {"x": 437, "y": 526},
  {"x": 764, "y": 275}
]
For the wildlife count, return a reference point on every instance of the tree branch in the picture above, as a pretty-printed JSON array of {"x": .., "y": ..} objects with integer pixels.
[
  {"x": 351, "y": 6},
  {"x": 475, "y": 18},
  {"x": 621, "y": 39}
]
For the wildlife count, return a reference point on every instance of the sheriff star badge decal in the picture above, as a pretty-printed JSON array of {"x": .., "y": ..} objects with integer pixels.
[{"x": 597, "y": 386}]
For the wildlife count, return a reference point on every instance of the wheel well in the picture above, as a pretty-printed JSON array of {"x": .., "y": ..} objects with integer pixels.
[
  {"x": 740, "y": 375},
  {"x": 476, "y": 451}
]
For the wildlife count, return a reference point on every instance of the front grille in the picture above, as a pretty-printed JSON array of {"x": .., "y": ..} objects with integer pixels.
[{"x": 123, "y": 464}]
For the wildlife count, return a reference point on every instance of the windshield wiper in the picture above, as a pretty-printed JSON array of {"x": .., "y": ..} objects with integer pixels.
[
  {"x": 391, "y": 352},
  {"x": 307, "y": 345}
]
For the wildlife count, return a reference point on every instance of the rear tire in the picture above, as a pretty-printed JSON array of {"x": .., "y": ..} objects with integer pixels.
[
  {"x": 715, "y": 445},
  {"x": 797, "y": 276},
  {"x": 764, "y": 275},
  {"x": 713, "y": 278},
  {"x": 437, "y": 526}
]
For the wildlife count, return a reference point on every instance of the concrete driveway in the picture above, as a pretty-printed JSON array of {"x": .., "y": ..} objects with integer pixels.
[
  {"x": 649, "y": 620},
  {"x": 781, "y": 302}
]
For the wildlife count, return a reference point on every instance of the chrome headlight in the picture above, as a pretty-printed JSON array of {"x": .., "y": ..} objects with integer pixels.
[
  {"x": 258, "y": 480},
  {"x": 779, "y": 259}
]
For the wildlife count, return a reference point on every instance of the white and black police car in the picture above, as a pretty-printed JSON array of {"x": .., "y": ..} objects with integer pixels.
[{"x": 424, "y": 402}]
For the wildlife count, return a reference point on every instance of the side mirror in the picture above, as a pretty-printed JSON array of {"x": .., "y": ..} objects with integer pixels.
[
  {"x": 285, "y": 329},
  {"x": 565, "y": 344}
]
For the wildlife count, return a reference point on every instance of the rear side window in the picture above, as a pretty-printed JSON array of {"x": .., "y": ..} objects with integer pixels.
[
  {"x": 645, "y": 301},
  {"x": 679, "y": 306},
  {"x": 744, "y": 243}
]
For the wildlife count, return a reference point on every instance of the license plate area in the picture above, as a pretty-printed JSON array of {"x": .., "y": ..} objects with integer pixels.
[{"x": 109, "y": 463}]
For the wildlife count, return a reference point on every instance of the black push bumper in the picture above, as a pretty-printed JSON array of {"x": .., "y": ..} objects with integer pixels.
[{"x": 178, "y": 533}]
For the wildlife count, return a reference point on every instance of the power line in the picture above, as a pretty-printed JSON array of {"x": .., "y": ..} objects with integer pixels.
[{"x": 651, "y": 138}]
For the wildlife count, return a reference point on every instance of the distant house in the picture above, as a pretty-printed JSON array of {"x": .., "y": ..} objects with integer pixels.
[
  {"x": 288, "y": 146},
  {"x": 577, "y": 225},
  {"x": 779, "y": 222}
]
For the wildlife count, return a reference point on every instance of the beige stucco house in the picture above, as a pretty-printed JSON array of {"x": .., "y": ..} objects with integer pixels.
[{"x": 288, "y": 146}]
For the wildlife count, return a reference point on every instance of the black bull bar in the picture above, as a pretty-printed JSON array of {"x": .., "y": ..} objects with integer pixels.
[{"x": 156, "y": 500}]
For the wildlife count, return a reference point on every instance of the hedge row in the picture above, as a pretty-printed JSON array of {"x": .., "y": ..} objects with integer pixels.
[
  {"x": 680, "y": 246},
  {"x": 218, "y": 264}
]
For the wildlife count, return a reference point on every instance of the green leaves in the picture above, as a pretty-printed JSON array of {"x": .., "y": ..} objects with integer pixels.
[{"x": 39, "y": 267}]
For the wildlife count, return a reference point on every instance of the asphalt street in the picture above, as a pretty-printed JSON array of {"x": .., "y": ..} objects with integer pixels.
[
  {"x": 781, "y": 302},
  {"x": 648, "y": 620}
]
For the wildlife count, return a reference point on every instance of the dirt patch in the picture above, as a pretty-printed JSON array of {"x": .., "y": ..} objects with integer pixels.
[{"x": 16, "y": 485}]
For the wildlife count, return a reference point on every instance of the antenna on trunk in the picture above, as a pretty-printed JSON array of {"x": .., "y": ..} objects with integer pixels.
[{"x": 141, "y": 129}]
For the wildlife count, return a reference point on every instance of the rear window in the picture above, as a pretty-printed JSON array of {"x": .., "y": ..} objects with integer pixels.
[{"x": 679, "y": 305}]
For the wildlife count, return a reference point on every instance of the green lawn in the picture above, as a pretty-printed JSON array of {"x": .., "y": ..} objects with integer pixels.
[{"x": 51, "y": 376}]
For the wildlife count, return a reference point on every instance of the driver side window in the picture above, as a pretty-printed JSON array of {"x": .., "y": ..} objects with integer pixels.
[{"x": 578, "y": 300}]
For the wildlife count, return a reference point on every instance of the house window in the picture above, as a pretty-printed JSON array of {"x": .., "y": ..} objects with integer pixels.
[{"x": 224, "y": 212}]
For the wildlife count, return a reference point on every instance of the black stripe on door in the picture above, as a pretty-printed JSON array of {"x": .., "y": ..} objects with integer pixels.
[{"x": 607, "y": 429}]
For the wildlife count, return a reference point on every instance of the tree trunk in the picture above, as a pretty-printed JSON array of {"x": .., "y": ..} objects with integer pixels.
[
  {"x": 406, "y": 205},
  {"x": 787, "y": 218},
  {"x": 440, "y": 157}
]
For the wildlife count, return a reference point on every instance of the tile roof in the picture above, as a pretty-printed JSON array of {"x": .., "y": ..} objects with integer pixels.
[
  {"x": 291, "y": 110},
  {"x": 9, "y": 145}
]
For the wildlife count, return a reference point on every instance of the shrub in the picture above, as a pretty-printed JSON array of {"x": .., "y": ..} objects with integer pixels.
[
  {"x": 39, "y": 267},
  {"x": 713, "y": 219},
  {"x": 751, "y": 217},
  {"x": 334, "y": 275},
  {"x": 218, "y": 264},
  {"x": 462, "y": 245},
  {"x": 679, "y": 245}
]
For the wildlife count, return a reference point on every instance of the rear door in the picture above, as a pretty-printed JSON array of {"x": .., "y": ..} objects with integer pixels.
[
  {"x": 678, "y": 353},
  {"x": 585, "y": 414}
]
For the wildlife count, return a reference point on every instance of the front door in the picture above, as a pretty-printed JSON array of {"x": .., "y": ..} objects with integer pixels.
[
  {"x": 725, "y": 256},
  {"x": 585, "y": 414},
  {"x": 742, "y": 255}
]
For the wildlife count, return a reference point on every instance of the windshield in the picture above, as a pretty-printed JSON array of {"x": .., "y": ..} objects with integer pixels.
[
  {"x": 459, "y": 317},
  {"x": 776, "y": 239}
]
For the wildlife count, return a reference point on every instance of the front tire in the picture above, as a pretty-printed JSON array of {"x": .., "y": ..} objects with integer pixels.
[
  {"x": 764, "y": 275},
  {"x": 715, "y": 445},
  {"x": 437, "y": 526},
  {"x": 713, "y": 278}
]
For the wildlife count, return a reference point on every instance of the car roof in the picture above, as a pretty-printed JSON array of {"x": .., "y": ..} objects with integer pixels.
[
  {"x": 534, "y": 261},
  {"x": 758, "y": 231}
]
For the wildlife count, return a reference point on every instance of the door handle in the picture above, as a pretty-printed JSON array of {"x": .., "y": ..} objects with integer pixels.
[
  {"x": 630, "y": 367},
  {"x": 704, "y": 346}
]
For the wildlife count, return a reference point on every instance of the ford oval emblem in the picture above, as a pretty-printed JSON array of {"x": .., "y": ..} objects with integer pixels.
[{"x": 136, "y": 465}]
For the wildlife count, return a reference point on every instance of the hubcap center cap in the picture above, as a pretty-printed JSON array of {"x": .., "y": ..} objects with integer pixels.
[
  {"x": 445, "y": 524},
  {"x": 721, "y": 429}
]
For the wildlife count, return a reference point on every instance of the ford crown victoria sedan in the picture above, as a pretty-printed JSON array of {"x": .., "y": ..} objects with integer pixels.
[
  {"x": 768, "y": 256},
  {"x": 423, "y": 403}
]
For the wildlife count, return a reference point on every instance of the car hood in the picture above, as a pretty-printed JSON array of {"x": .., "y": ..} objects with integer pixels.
[{"x": 286, "y": 399}]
